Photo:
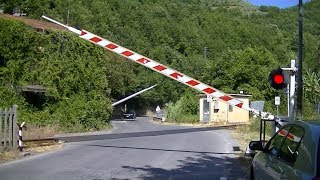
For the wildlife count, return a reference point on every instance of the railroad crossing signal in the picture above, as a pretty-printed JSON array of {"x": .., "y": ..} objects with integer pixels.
[
  {"x": 155, "y": 66},
  {"x": 277, "y": 79}
]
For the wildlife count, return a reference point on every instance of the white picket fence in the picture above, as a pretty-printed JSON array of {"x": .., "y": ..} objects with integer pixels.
[{"x": 8, "y": 128}]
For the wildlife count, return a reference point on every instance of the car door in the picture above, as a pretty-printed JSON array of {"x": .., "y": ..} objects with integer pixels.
[
  {"x": 281, "y": 166},
  {"x": 263, "y": 160},
  {"x": 289, "y": 152}
]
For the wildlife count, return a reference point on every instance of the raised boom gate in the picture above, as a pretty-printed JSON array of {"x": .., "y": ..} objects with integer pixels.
[{"x": 160, "y": 68}]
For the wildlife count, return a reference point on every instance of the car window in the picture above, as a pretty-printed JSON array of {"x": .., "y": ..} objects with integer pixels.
[
  {"x": 275, "y": 142},
  {"x": 289, "y": 149}
]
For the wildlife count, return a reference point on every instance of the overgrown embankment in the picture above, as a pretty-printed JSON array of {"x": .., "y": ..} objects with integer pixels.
[{"x": 77, "y": 95}]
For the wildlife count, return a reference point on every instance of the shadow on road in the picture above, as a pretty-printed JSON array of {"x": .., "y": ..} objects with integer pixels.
[
  {"x": 201, "y": 167},
  {"x": 135, "y": 134},
  {"x": 158, "y": 149}
]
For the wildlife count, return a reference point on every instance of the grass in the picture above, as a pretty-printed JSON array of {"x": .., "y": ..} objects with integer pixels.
[
  {"x": 36, "y": 132},
  {"x": 244, "y": 136},
  {"x": 33, "y": 132},
  {"x": 186, "y": 119},
  {"x": 40, "y": 132},
  {"x": 31, "y": 148},
  {"x": 7, "y": 156},
  {"x": 36, "y": 149},
  {"x": 249, "y": 132}
]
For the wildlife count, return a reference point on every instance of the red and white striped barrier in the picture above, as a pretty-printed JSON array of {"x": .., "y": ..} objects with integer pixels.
[
  {"x": 151, "y": 64},
  {"x": 289, "y": 136}
]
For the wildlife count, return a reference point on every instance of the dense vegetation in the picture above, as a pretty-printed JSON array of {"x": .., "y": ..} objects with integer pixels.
[{"x": 244, "y": 43}]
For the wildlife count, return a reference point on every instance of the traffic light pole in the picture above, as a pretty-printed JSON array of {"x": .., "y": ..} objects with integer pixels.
[
  {"x": 288, "y": 98},
  {"x": 293, "y": 70},
  {"x": 292, "y": 90}
]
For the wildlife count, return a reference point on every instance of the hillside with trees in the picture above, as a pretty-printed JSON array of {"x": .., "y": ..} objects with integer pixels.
[{"x": 243, "y": 44}]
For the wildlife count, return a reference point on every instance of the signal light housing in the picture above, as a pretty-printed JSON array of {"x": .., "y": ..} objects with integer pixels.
[{"x": 277, "y": 79}]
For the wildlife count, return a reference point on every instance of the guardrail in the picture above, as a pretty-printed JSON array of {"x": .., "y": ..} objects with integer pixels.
[{"x": 8, "y": 128}]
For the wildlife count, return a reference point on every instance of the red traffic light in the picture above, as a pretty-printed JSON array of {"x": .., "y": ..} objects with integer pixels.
[{"x": 277, "y": 79}]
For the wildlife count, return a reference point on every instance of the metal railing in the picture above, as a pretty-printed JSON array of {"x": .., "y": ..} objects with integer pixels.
[{"x": 8, "y": 128}]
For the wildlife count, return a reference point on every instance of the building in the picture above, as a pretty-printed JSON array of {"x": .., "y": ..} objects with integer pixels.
[{"x": 217, "y": 110}]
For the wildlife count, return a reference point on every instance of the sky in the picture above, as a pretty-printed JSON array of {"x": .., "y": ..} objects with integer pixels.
[{"x": 278, "y": 3}]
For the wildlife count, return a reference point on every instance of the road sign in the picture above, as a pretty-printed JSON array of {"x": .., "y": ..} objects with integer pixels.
[
  {"x": 258, "y": 105},
  {"x": 277, "y": 100}
]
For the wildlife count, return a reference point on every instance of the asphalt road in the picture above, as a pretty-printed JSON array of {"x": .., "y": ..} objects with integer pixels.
[{"x": 136, "y": 149}]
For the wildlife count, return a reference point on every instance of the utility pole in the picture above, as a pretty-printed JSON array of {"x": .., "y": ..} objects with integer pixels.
[{"x": 299, "y": 79}]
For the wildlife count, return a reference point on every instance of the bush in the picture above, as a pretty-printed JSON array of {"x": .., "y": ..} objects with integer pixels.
[
  {"x": 251, "y": 130},
  {"x": 74, "y": 114},
  {"x": 82, "y": 113},
  {"x": 77, "y": 90},
  {"x": 184, "y": 110}
]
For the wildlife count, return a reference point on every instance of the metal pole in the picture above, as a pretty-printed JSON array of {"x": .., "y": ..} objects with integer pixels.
[
  {"x": 264, "y": 132},
  {"x": 65, "y": 26},
  {"x": 299, "y": 79},
  {"x": 133, "y": 95},
  {"x": 292, "y": 91},
  {"x": 260, "y": 127},
  {"x": 288, "y": 97}
]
